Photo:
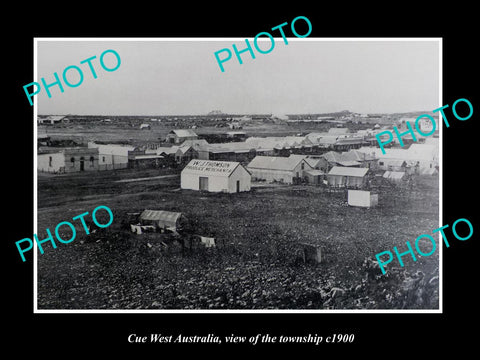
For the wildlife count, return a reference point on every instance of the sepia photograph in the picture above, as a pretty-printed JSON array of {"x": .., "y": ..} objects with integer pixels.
[{"x": 305, "y": 179}]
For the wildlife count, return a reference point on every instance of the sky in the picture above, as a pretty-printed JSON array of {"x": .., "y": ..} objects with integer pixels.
[{"x": 174, "y": 77}]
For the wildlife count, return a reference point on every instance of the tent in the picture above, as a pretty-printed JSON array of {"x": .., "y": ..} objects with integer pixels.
[{"x": 394, "y": 176}]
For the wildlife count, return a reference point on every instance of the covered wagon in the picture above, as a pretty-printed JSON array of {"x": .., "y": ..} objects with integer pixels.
[{"x": 165, "y": 221}]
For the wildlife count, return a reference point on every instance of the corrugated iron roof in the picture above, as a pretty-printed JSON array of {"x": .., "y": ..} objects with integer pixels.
[
  {"x": 349, "y": 163},
  {"x": 160, "y": 215},
  {"x": 167, "y": 150},
  {"x": 333, "y": 156},
  {"x": 313, "y": 162},
  {"x": 275, "y": 162},
  {"x": 355, "y": 155},
  {"x": 348, "y": 171}
]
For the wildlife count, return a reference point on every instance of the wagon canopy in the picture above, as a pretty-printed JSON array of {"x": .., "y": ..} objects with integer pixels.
[{"x": 164, "y": 219}]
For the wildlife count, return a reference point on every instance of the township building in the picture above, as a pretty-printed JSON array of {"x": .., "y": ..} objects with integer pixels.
[
  {"x": 67, "y": 160},
  {"x": 283, "y": 146},
  {"x": 317, "y": 163},
  {"x": 183, "y": 153},
  {"x": 179, "y": 136},
  {"x": 242, "y": 152},
  {"x": 112, "y": 156},
  {"x": 275, "y": 168},
  {"x": 139, "y": 159},
  {"x": 337, "y": 139},
  {"x": 420, "y": 158},
  {"x": 340, "y": 176},
  {"x": 52, "y": 120},
  {"x": 215, "y": 176},
  {"x": 352, "y": 158}
]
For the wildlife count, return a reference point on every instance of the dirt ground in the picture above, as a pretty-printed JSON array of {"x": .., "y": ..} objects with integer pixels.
[{"x": 254, "y": 265}]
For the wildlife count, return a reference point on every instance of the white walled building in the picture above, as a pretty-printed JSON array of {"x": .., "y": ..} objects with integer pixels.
[
  {"x": 67, "y": 160},
  {"x": 215, "y": 176},
  {"x": 421, "y": 158},
  {"x": 112, "y": 156}
]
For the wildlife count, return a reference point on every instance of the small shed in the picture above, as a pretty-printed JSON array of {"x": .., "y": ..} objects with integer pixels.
[
  {"x": 314, "y": 176},
  {"x": 215, "y": 176},
  {"x": 163, "y": 220},
  {"x": 362, "y": 198}
]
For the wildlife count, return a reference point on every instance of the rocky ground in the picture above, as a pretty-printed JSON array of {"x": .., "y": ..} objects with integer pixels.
[{"x": 254, "y": 265}]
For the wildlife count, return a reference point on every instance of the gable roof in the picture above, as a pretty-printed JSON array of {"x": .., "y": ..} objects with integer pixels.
[
  {"x": 51, "y": 118},
  {"x": 313, "y": 162},
  {"x": 182, "y": 150},
  {"x": 357, "y": 155},
  {"x": 348, "y": 171},
  {"x": 349, "y": 163},
  {"x": 333, "y": 156},
  {"x": 183, "y": 133},
  {"x": 276, "y": 162},
  {"x": 210, "y": 167}
]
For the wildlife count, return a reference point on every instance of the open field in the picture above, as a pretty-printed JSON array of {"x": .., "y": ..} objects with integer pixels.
[
  {"x": 135, "y": 136},
  {"x": 254, "y": 267}
]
